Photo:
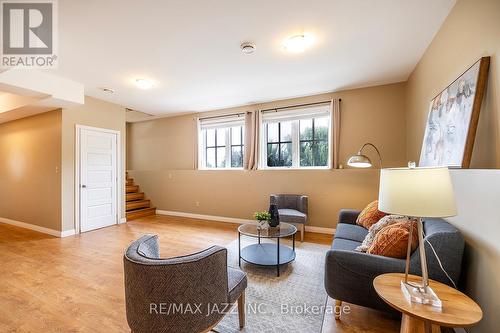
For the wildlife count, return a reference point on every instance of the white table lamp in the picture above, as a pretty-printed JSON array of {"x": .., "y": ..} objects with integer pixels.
[{"x": 420, "y": 193}]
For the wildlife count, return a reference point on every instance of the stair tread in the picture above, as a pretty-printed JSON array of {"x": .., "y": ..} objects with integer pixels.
[
  {"x": 136, "y": 213},
  {"x": 132, "y": 188},
  {"x": 136, "y": 204},
  {"x": 144, "y": 208},
  {"x": 135, "y": 200},
  {"x": 138, "y": 209},
  {"x": 139, "y": 200},
  {"x": 135, "y": 193}
]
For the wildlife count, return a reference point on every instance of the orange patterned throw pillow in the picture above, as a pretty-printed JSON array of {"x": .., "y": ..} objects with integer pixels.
[
  {"x": 370, "y": 215},
  {"x": 392, "y": 241}
]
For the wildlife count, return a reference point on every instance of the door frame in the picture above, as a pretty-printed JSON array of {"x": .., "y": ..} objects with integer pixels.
[{"x": 119, "y": 185}]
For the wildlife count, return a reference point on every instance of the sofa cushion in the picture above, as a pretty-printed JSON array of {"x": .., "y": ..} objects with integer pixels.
[
  {"x": 351, "y": 232},
  {"x": 382, "y": 223},
  {"x": 370, "y": 215},
  {"x": 344, "y": 244},
  {"x": 291, "y": 216},
  {"x": 236, "y": 283},
  {"x": 392, "y": 240}
]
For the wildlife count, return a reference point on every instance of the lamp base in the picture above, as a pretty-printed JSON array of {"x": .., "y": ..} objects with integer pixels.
[{"x": 416, "y": 293}]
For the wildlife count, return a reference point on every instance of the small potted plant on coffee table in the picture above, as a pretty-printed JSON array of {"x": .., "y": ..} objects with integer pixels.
[{"x": 262, "y": 218}]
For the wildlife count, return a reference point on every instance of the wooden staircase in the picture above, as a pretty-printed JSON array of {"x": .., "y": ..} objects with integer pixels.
[{"x": 136, "y": 205}]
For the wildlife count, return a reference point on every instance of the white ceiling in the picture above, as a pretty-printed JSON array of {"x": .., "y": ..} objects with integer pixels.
[{"x": 190, "y": 48}]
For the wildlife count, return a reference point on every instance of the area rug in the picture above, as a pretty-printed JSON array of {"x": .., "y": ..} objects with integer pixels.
[{"x": 293, "y": 302}]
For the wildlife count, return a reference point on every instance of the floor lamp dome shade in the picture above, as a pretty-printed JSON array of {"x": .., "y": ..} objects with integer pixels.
[
  {"x": 359, "y": 161},
  {"x": 418, "y": 192},
  {"x": 362, "y": 161}
]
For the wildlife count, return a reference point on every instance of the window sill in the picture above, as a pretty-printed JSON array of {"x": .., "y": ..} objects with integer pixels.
[
  {"x": 220, "y": 169},
  {"x": 293, "y": 168}
]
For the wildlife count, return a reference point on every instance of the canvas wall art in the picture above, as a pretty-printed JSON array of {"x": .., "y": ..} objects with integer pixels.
[{"x": 452, "y": 120}]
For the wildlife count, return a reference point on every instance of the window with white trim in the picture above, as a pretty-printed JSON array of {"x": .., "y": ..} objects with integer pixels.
[
  {"x": 221, "y": 142},
  {"x": 297, "y": 137}
]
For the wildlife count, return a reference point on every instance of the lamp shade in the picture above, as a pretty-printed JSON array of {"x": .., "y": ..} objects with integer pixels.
[
  {"x": 359, "y": 161},
  {"x": 418, "y": 192}
]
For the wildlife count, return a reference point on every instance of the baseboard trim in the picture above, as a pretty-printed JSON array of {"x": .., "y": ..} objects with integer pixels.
[
  {"x": 122, "y": 220},
  {"x": 320, "y": 230},
  {"x": 67, "y": 233},
  {"x": 37, "y": 228},
  {"x": 204, "y": 217}
]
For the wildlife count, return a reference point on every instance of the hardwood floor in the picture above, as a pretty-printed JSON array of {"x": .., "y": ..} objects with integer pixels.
[
  {"x": 75, "y": 284},
  {"x": 360, "y": 320}
]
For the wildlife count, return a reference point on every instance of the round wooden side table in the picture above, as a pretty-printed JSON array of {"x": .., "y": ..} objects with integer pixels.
[{"x": 457, "y": 310}]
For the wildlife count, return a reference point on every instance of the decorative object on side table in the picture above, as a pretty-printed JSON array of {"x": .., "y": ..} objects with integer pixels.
[
  {"x": 417, "y": 192},
  {"x": 274, "y": 219},
  {"x": 362, "y": 161},
  {"x": 262, "y": 219},
  {"x": 453, "y": 117}
]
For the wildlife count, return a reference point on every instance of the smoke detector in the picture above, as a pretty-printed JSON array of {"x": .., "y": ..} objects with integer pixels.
[
  {"x": 107, "y": 90},
  {"x": 247, "y": 48}
]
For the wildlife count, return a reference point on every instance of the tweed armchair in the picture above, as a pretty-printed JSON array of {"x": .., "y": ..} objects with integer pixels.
[
  {"x": 182, "y": 294},
  {"x": 292, "y": 208}
]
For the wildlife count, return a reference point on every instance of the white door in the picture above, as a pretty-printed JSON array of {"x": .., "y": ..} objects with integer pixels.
[{"x": 98, "y": 179}]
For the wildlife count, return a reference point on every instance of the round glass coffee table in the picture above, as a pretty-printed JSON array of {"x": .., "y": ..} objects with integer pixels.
[{"x": 267, "y": 254}]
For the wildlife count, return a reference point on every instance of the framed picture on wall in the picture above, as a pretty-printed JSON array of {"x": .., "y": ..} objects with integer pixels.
[{"x": 452, "y": 121}]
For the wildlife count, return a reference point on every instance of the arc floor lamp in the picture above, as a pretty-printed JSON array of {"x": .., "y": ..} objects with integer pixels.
[{"x": 362, "y": 161}]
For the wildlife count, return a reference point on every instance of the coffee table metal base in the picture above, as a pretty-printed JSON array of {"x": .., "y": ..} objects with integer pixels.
[{"x": 265, "y": 254}]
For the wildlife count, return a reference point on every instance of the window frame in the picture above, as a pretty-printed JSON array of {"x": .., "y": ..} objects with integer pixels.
[
  {"x": 279, "y": 142},
  {"x": 241, "y": 145},
  {"x": 314, "y": 140},
  {"x": 295, "y": 145},
  {"x": 228, "y": 145}
]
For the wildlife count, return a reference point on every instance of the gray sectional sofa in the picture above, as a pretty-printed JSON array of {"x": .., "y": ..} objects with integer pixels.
[{"x": 349, "y": 274}]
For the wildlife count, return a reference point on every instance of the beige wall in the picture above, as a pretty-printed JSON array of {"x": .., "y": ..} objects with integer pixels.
[
  {"x": 477, "y": 193},
  {"x": 472, "y": 30},
  {"x": 161, "y": 155},
  {"x": 95, "y": 113},
  {"x": 30, "y": 161}
]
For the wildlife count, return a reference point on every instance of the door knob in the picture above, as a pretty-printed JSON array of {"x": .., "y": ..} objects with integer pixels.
[{"x": 83, "y": 186}]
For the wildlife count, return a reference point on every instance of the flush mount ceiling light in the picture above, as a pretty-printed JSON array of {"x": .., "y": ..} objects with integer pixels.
[
  {"x": 247, "y": 48},
  {"x": 298, "y": 43},
  {"x": 144, "y": 84}
]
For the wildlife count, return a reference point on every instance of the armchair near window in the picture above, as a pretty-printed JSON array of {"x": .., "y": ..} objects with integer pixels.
[
  {"x": 292, "y": 208},
  {"x": 200, "y": 280}
]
